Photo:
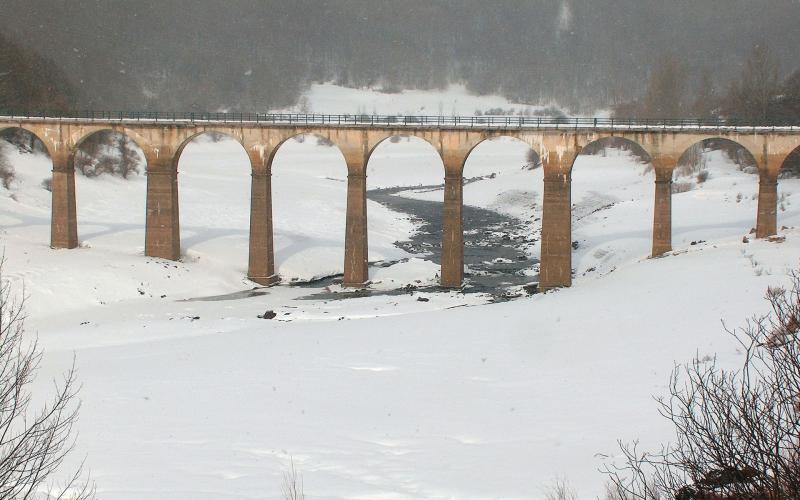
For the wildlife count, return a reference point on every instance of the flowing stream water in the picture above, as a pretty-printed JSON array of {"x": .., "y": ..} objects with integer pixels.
[{"x": 494, "y": 248}]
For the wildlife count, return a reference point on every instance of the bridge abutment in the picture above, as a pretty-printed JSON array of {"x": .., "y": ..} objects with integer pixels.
[
  {"x": 64, "y": 219},
  {"x": 453, "y": 232},
  {"x": 162, "y": 226}
]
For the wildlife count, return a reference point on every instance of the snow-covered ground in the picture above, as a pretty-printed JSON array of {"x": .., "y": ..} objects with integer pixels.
[
  {"x": 329, "y": 98},
  {"x": 188, "y": 394}
]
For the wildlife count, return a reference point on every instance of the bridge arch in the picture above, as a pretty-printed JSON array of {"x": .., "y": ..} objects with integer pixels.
[
  {"x": 790, "y": 166},
  {"x": 47, "y": 145},
  {"x": 628, "y": 167},
  {"x": 210, "y": 132},
  {"x": 102, "y": 216},
  {"x": 601, "y": 144},
  {"x": 393, "y": 137},
  {"x": 405, "y": 162},
  {"x": 502, "y": 171},
  {"x": 79, "y": 135},
  {"x": 413, "y": 143},
  {"x": 744, "y": 155},
  {"x": 322, "y": 139},
  {"x": 213, "y": 222},
  {"x": 732, "y": 194},
  {"x": 788, "y": 187},
  {"x": 307, "y": 176},
  {"x": 138, "y": 141}
]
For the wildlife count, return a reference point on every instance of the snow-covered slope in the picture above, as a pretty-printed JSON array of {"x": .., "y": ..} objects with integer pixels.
[
  {"x": 188, "y": 394},
  {"x": 328, "y": 98}
]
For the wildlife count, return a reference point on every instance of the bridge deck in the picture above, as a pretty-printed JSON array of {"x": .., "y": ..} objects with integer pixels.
[{"x": 395, "y": 121}]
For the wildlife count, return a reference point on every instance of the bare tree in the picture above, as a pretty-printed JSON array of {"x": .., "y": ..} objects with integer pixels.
[
  {"x": 750, "y": 97},
  {"x": 737, "y": 433},
  {"x": 33, "y": 444},
  {"x": 665, "y": 97}
]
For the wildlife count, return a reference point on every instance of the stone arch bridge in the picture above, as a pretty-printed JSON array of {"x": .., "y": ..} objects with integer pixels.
[{"x": 163, "y": 136}]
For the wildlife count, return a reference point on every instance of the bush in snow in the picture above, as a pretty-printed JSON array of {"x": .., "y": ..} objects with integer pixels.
[
  {"x": 324, "y": 141},
  {"x": 737, "y": 432},
  {"x": 6, "y": 170},
  {"x": 47, "y": 184},
  {"x": 702, "y": 176},
  {"x": 682, "y": 187}
]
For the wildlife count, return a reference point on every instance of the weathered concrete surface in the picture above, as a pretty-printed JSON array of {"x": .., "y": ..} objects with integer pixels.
[
  {"x": 163, "y": 143},
  {"x": 64, "y": 221},
  {"x": 452, "y": 274},
  {"x": 261, "y": 268},
  {"x": 355, "y": 238}
]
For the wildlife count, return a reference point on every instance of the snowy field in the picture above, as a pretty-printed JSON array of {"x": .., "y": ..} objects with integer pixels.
[{"x": 189, "y": 395}]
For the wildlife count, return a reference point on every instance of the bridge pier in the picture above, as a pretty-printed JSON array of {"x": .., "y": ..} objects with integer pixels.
[
  {"x": 555, "y": 268},
  {"x": 162, "y": 226},
  {"x": 767, "y": 219},
  {"x": 261, "y": 267},
  {"x": 356, "y": 267},
  {"x": 453, "y": 231},
  {"x": 662, "y": 215},
  {"x": 64, "y": 219}
]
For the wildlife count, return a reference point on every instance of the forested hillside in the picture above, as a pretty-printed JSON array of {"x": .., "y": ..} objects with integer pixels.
[{"x": 206, "y": 54}]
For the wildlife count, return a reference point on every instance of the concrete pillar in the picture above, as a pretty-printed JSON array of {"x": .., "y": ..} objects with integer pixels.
[
  {"x": 64, "y": 219},
  {"x": 452, "y": 232},
  {"x": 767, "y": 220},
  {"x": 162, "y": 231},
  {"x": 356, "y": 273},
  {"x": 662, "y": 216},
  {"x": 261, "y": 268},
  {"x": 555, "y": 268}
]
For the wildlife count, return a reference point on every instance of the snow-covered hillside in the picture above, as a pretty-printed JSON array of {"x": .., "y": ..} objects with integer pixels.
[
  {"x": 188, "y": 394},
  {"x": 328, "y": 98}
]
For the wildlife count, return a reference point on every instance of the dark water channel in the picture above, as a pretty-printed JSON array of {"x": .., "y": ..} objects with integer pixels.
[{"x": 494, "y": 248}]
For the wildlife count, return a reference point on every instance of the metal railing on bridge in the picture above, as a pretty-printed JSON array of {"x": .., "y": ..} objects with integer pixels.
[{"x": 485, "y": 121}]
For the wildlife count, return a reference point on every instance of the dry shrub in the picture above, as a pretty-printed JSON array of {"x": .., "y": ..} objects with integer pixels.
[
  {"x": 292, "y": 487},
  {"x": 737, "y": 432},
  {"x": 682, "y": 186},
  {"x": 560, "y": 490}
]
